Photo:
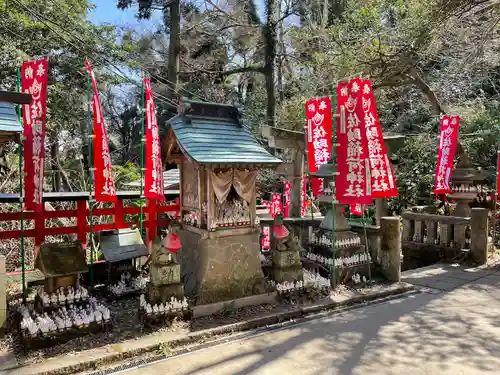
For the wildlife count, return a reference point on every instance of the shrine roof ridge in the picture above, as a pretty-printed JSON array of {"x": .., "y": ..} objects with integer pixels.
[{"x": 219, "y": 141}]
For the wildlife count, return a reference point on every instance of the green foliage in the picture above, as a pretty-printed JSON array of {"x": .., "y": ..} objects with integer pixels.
[
  {"x": 125, "y": 174},
  {"x": 415, "y": 171},
  {"x": 422, "y": 56}
]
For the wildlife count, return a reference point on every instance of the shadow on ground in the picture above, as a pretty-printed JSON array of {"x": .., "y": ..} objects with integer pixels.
[{"x": 453, "y": 332}]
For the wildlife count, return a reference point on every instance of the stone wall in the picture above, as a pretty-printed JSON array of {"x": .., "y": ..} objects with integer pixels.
[{"x": 216, "y": 268}]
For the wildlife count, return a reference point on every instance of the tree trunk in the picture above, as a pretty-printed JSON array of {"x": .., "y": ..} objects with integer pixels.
[
  {"x": 281, "y": 86},
  {"x": 54, "y": 162},
  {"x": 463, "y": 158},
  {"x": 270, "y": 39},
  {"x": 174, "y": 49},
  {"x": 431, "y": 95},
  {"x": 325, "y": 14}
]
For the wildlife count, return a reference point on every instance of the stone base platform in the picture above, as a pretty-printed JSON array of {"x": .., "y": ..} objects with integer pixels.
[{"x": 222, "y": 265}]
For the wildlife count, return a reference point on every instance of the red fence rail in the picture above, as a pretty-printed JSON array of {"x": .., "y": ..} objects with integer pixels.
[{"x": 81, "y": 214}]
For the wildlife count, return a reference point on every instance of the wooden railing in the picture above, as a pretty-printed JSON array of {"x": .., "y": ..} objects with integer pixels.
[{"x": 36, "y": 222}]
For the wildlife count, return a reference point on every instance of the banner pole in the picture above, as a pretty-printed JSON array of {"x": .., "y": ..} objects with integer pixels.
[
  {"x": 141, "y": 199},
  {"x": 367, "y": 250},
  {"x": 90, "y": 136},
  {"x": 21, "y": 194},
  {"x": 495, "y": 200},
  {"x": 334, "y": 173},
  {"x": 309, "y": 184}
]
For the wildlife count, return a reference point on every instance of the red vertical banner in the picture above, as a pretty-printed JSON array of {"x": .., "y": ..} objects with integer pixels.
[
  {"x": 353, "y": 183},
  {"x": 266, "y": 238},
  {"x": 316, "y": 186},
  {"x": 382, "y": 175},
  {"x": 153, "y": 181},
  {"x": 105, "y": 190},
  {"x": 34, "y": 81},
  {"x": 448, "y": 137},
  {"x": 276, "y": 207},
  {"x": 319, "y": 132},
  {"x": 268, "y": 205},
  {"x": 287, "y": 188}
]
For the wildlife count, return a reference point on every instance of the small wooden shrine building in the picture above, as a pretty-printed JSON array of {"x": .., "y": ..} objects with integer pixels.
[
  {"x": 10, "y": 127},
  {"x": 219, "y": 159}
]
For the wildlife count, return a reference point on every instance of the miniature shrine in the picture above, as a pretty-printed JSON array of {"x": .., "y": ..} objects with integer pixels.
[
  {"x": 121, "y": 248},
  {"x": 64, "y": 309},
  {"x": 219, "y": 159},
  {"x": 62, "y": 264}
]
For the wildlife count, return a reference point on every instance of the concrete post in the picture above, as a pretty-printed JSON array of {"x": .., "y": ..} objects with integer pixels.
[
  {"x": 381, "y": 209},
  {"x": 479, "y": 235},
  {"x": 3, "y": 296},
  {"x": 390, "y": 248}
]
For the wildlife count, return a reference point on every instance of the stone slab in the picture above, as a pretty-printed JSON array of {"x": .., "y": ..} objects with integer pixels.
[
  {"x": 467, "y": 276},
  {"x": 424, "y": 281},
  {"x": 446, "y": 285},
  {"x": 214, "y": 308},
  {"x": 163, "y": 293},
  {"x": 165, "y": 274}
]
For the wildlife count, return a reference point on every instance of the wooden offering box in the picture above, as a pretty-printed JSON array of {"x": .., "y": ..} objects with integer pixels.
[{"x": 61, "y": 264}]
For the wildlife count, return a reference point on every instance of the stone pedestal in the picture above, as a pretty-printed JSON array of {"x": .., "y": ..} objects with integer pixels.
[
  {"x": 286, "y": 262},
  {"x": 165, "y": 276},
  {"x": 3, "y": 296},
  {"x": 163, "y": 293},
  {"x": 341, "y": 223},
  {"x": 222, "y": 265},
  {"x": 390, "y": 248}
]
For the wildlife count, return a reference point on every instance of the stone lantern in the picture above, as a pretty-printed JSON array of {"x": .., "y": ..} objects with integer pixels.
[{"x": 342, "y": 227}]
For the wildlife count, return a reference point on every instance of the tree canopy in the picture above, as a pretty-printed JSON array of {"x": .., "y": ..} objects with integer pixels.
[{"x": 424, "y": 57}]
